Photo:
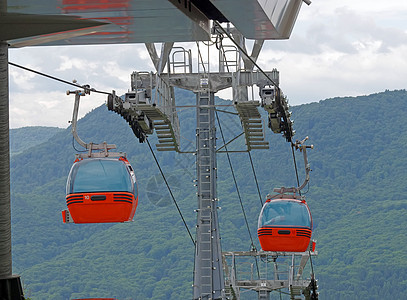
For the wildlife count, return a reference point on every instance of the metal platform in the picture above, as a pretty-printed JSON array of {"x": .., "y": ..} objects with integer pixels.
[{"x": 266, "y": 272}]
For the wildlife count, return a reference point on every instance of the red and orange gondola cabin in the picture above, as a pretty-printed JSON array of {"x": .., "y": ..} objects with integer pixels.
[
  {"x": 285, "y": 224},
  {"x": 101, "y": 190}
]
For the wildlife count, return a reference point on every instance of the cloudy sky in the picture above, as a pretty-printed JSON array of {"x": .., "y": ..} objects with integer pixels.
[{"x": 337, "y": 48}]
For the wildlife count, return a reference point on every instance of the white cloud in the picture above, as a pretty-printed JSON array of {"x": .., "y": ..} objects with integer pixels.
[
  {"x": 69, "y": 63},
  {"x": 22, "y": 78},
  {"x": 53, "y": 108},
  {"x": 308, "y": 78},
  {"x": 341, "y": 48}
]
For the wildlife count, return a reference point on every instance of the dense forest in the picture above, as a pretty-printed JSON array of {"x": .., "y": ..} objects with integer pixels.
[
  {"x": 356, "y": 196},
  {"x": 27, "y": 137}
]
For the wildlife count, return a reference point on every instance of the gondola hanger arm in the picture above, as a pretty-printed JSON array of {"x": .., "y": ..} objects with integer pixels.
[
  {"x": 299, "y": 145},
  {"x": 303, "y": 148},
  {"x": 88, "y": 146}
]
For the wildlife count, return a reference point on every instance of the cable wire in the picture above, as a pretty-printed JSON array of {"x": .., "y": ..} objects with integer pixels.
[
  {"x": 152, "y": 152},
  {"x": 315, "y": 295},
  {"x": 57, "y": 79},
  {"x": 295, "y": 167},
  {"x": 290, "y": 138},
  {"x": 255, "y": 178},
  {"x": 201, "y": 58},
  {"x": 246, "y": 54},
  {"x": 278, "y": 90},
  {"x": 238, "y": 192},
  {"x": 314, "y": 292},
  {"x": 235, "y": 181},
  {"x": 169, "y": 189}
]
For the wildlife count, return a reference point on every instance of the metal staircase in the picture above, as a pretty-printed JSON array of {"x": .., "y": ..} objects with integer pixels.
[
  {"x": 150, "y": 106},
  {"x": 252, "y": 124}
]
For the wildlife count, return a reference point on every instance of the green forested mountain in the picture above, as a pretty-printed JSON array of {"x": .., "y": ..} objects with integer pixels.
[
  {"x": 356, "y": 196},
  {"x": 23, "y": 138}
]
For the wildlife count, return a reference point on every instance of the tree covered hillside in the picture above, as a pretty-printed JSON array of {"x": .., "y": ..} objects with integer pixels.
[
  {"x": 27, "y": 137},
  {"x": 357, "y": 196}
]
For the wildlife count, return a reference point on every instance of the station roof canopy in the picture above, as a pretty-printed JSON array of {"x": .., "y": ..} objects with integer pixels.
[{"x": 84, "y": 22}]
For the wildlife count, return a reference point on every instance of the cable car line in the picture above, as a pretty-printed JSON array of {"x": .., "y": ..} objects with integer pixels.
[
  {"x": 227, "y": 112},
  {"x": 286, "y": 125},
  {"x": 238, "y": 192},
  {"x": 246, "y": 54},
  {"x": 314, "y": 295},
  {"x": 255, "y": 178},
  {"x": 235, "y": 181},
  {"x": 225, "y": 144},
  {"x": 201, "y": 58},
  {"x": 295, "y": 166},
  {"x": 57, "y": 79},
  {"x": 169, "y": 189}
]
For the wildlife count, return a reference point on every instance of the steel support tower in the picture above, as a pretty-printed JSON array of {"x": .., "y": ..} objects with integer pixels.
[
  {"x": 150, "y": 105},
  {"x": 208, "y": 273}
]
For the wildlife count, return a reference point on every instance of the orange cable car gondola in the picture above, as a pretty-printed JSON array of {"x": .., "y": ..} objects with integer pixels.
[
  {"x": 285, "y": 224},
  {"x": 101, "y": 190},
  {"x": 101, "y": 186}
]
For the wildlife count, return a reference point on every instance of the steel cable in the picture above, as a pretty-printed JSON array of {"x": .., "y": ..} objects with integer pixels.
[
  {"x": 169, "y": 190},
  {"x": 57, "y": 79},
  {"x": 255, "y": 178},
  {"x": 238, "y": 192}
]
